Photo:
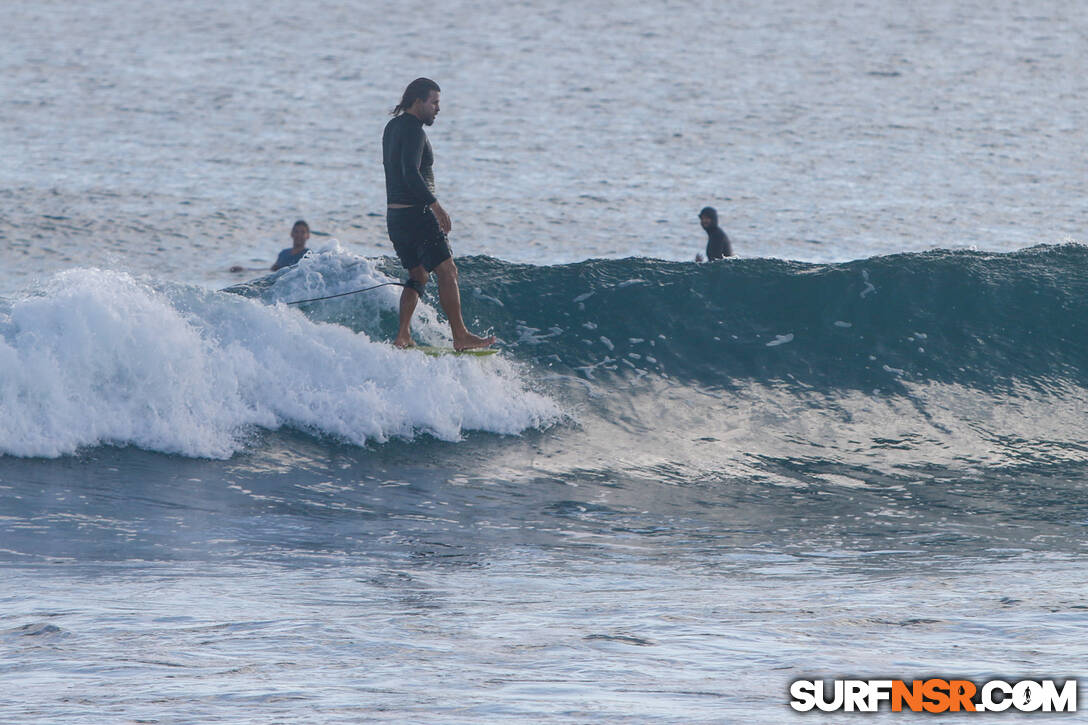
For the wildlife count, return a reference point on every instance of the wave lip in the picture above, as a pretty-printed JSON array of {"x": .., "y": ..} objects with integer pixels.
[{"x": 98, "y": 357}]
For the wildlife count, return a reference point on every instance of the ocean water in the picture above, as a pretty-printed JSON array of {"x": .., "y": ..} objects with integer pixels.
[{"x": 855, "y": 450}]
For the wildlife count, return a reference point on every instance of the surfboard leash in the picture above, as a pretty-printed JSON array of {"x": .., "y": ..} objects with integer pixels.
[{"x": 412, "y": 284}]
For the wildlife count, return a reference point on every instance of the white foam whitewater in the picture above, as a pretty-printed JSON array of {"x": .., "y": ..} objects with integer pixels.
[{"x": 97, "y": 357}]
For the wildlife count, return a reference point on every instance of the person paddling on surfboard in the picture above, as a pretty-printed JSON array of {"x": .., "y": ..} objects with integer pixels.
[
  {"x": 417, "y": 223},
  {"x": 300, "y": 232}
]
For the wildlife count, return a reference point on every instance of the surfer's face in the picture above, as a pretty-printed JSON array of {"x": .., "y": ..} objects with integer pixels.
[
  {"x": 706, "y": 221},
  {"x": 299, "y": 234},
  {"x": 427, "y": 109}
]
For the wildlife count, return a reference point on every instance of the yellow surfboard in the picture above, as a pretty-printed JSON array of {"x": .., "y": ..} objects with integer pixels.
[{"x": 435, "y": 351}]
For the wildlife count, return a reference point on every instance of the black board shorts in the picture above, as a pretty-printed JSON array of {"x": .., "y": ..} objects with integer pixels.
[{"x": 417, "y": 238}]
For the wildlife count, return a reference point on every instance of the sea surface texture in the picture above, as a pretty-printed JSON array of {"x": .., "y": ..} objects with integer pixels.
[{"x": 858, "y": 449}]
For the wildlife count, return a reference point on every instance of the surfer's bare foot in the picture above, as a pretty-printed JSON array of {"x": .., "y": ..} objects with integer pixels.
[
  {"x": 403, "y": 342},
  {"x": 468, "y": 341}
]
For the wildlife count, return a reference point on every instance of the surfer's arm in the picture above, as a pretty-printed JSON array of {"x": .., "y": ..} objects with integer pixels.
[{"x": 443, "y": 218}]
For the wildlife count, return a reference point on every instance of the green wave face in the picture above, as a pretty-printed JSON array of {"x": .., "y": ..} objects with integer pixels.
[{"x": 977, "y": 319}]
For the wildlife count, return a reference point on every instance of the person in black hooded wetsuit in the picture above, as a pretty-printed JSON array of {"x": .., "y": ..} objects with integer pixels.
[
  {"x": 417, "y": 223},
  {"x": 717, "y": 243}
]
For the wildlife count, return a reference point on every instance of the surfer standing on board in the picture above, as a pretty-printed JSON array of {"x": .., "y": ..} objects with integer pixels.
[{"x": 417, "y": 223}]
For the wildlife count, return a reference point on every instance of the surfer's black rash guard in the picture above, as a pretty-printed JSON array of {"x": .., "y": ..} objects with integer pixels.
[
  {"x": 407, "y": 156},
  {"x": 717, "y": 243}
]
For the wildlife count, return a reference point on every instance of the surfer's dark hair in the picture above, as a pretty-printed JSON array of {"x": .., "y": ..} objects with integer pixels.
[
  {"x": 418, "y": 90},
  {"x": 300, "y": 223}
]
